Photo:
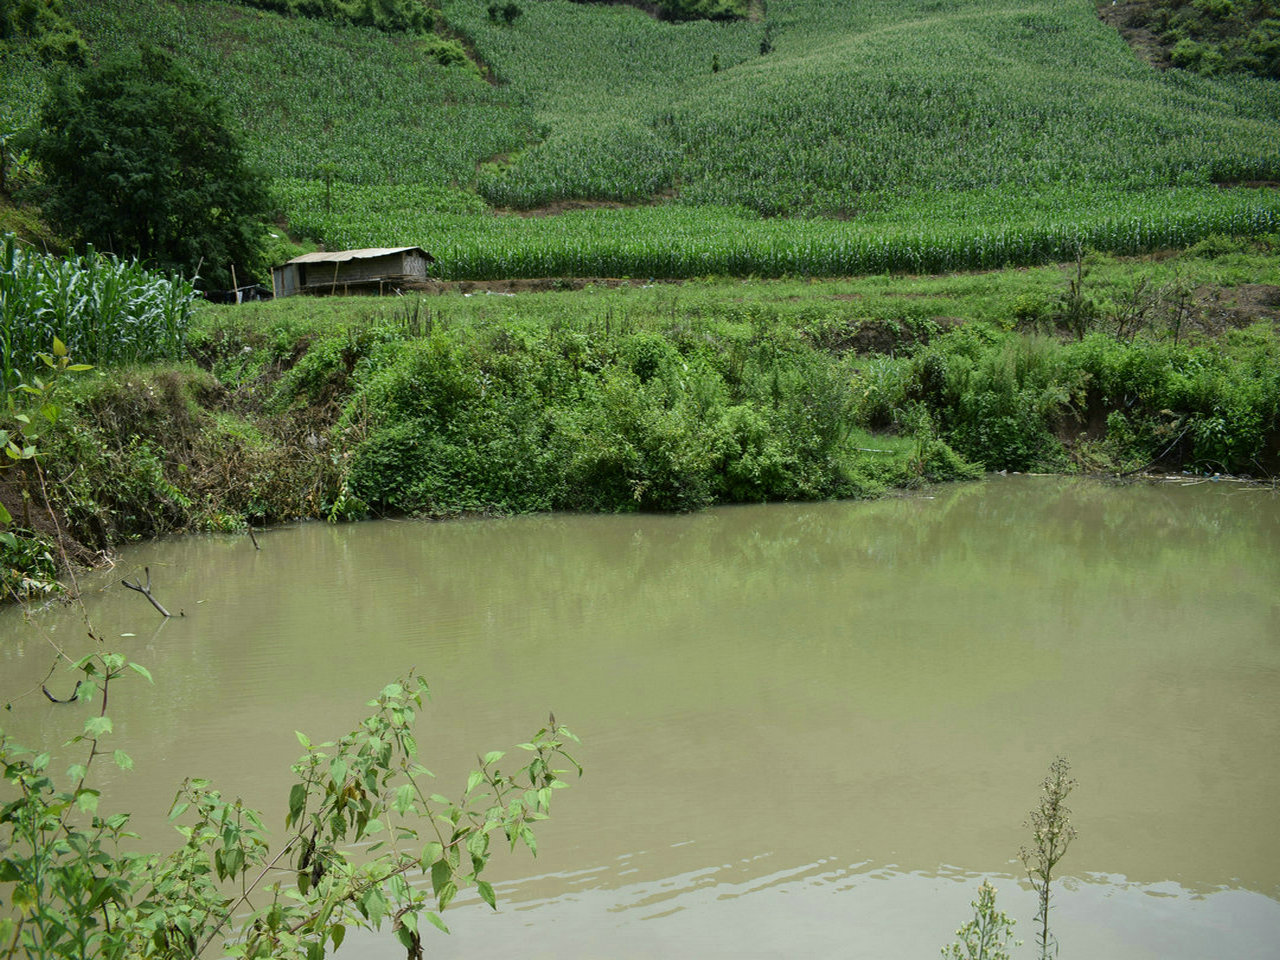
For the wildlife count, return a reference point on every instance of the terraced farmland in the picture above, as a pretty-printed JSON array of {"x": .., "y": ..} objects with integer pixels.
[{"x": 832, "y": 138}]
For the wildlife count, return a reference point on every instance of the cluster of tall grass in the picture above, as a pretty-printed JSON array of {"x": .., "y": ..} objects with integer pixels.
[
  {"x": 927, "y": 235},
  {"x": 104, "y": 310}
]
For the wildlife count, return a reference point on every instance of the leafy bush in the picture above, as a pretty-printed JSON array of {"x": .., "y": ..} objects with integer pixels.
[
  {"x": 174, "y": 188},
  {"x": 1015, "y": 402},
  {"x": 53, "y": 36},
  {"x": 28, "y": 566},
  {"x": 360, "y": 820},
  {"x": 387, "y": 15},
  {"x": 447, "y": 52},
  {"x": 526, "y": 419},
  {"x": 1219, "y": 36}
]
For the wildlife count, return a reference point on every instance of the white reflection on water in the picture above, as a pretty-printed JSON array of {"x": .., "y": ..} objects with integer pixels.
[{"x": 760, "y": 908}]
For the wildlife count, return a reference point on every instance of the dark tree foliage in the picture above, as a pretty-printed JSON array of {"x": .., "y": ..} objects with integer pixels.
[
  {"x": 687, "y": 9},
  {"x": 1214, "y": 36},
  {"x": 53, "y": 37},
  {"x": 139, "y": 160},
  {"x": 392, "y": 16}
]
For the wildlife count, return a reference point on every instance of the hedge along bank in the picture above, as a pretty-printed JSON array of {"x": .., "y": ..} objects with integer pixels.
[{"x": 596, "y": 401}]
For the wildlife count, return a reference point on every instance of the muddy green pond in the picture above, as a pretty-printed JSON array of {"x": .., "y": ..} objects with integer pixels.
[{"x": 808, "y": 730}]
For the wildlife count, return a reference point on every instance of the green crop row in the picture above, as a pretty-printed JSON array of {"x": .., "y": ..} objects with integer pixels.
[
  {"x": 949, "y": 232},
  {"x": 104, "y": 310}
]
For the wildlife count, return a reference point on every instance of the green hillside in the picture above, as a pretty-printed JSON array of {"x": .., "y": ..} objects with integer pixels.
[{"x": 906, "y": 134}]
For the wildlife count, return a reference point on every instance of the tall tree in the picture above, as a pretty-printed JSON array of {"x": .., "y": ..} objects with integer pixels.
[{"x": 139, "y": 160}]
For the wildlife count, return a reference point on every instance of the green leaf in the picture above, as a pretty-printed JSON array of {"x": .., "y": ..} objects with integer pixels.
[
  {"x": 338, "y": 771},
  {"x": 305, "y": 741},
  {"x": 447, "y": 893},
  {"x": 478, "y": 844},
  {"x": 5, "y": 515},
  {"x": 432, "y": 852},
  {"x": 297, "y": 799},
  {"x": 404, "y": 799},
  {"x": 87, "y": 800},
  {"x": 178, "y": 810},
  {"x": 434, "y": 919},
  {"x": 485, "y": 889},
  {"x": 375, "y": 905},
  {"x": 96, "y": 727},
  {"x": 493, "y": 756},
  {"x": 475, "y": 777},
  {"x": 59, "y": 348},
  {"x": 123, "y": 760},
  {"x": 337, "y": 933},
  {"x": 141, "y": 671},
  {"x": 440, "y": 874},
  {"x": 77, "y": 367}
]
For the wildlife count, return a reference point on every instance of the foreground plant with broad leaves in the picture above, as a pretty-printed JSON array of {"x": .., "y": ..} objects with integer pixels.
[{"x": 360, "y": 826}]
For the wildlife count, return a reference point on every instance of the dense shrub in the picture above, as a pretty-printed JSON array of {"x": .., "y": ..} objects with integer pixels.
[
  {"x": 139, "y": 159},
  {"x": 53, "y": 37},
  {"x": 1014, "y": 402},
  {"x": 1217, "y": 36},
  {"x": 530, "y": 419},
  {"x": 388, "y": 15}
]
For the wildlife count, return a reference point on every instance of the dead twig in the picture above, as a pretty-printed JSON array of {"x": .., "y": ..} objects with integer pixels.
[
  {"x": 253, "y": 538},
  {"x": 146, "y": 591},
  {"x": 71, "y": 699}
]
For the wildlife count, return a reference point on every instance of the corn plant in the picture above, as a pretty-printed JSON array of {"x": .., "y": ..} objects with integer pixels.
[{"x": 101, "y": 309}]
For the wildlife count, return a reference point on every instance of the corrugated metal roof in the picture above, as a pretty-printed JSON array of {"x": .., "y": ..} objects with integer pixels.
[{"x": 342, "y": 256}]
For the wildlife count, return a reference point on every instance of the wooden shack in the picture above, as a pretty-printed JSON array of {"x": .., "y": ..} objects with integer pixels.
[{"x": 346, "y": 271}]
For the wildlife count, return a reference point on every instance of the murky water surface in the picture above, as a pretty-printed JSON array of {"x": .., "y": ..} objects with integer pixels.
[{"x": 808, "y": 730}]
